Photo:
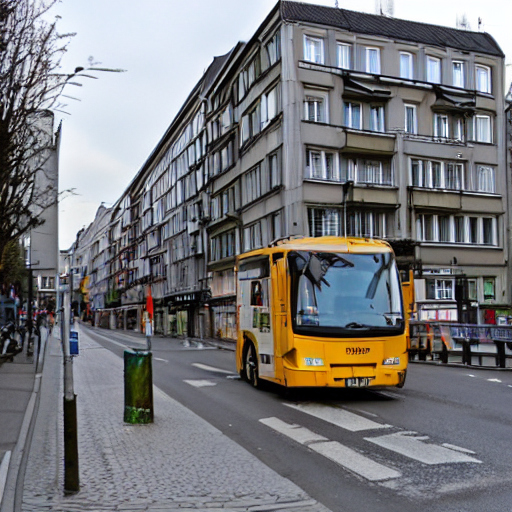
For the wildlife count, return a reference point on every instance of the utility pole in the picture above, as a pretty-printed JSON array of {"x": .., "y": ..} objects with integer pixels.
[{"x": 71, "y": 474}]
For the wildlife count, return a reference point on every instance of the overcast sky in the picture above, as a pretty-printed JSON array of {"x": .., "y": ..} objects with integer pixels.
[{"x": 165, "y": 46}]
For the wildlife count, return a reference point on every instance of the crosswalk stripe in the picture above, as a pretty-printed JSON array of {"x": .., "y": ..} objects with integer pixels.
[
  {"x": 412, "y": 446},
  {"x": 338, "y": 453},
  {"x": 338, "y": 417}
]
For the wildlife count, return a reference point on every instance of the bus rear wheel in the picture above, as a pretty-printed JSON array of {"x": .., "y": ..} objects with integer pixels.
[{"x": 250, "y": 364}]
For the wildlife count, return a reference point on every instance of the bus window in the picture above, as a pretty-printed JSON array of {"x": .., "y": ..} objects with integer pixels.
[{"x": 256, "y": 294}]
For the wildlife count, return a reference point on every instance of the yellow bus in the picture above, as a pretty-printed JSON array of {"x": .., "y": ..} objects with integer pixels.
[{"x": 324, "y": 311}]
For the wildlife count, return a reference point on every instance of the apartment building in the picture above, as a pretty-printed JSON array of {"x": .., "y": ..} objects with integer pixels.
[{"x": 327, "y": 122}]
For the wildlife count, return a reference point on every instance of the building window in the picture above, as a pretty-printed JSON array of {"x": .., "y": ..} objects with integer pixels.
[
  {"x": 315, "y": 108},
  {"x": 376, "y": 172},
  {"x": 252, "y": 237},
  {"x": 406, "y": 66},
  {"x": 444, "y": 224},
  {"x": 459, "y": 229},
  {"x": 323, "y": 222},
  {"x": 439, "y": 289},
  {"x": 452, "y": 176},
  {"x": 352, "y": 115},
  {"x": 373, "y": 60},
  {"x": 472, "y": 289},
  {"x": 377, "y": 119},
  {"x": 487, "y": 230},
  {"x": 314, "y": 49},
  {"x": 251, "y": 185},
  {"x": 485, "y": 179},
  {"x": 344, "y": 55},
  {"x": 483, "y": 79},
  {"x": 441, "y": 126},
  {"x": 274, "y": 49},
  {"x": 458, "y": 74},
  {"x": 433, "y": 70},
  {"x": 268, "y": 107},
  {"x": 458, "y": 129},
  {"x": 367, "y": 224},
  {"x": 489, "y": 288},
  {"x": 482, "y": 128},
  {"x": 274, "y": 170},
  {"x": 322, "y": 165},
  {"x": 224, "y": 245},
  {"x": 411, "y": 122}
]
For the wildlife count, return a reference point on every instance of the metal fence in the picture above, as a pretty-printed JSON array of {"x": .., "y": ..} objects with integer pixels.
[{"x": 470, "y": 344}]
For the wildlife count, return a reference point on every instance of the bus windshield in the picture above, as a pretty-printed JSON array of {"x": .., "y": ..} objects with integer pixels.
[{"x": 345, "y": 294}]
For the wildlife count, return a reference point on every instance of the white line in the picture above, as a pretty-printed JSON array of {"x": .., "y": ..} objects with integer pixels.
[
  {"x": 338, "y": 417},
  {"x": 412, "y": 446},
  {"x": 300, "y": 434},
  {"x": 211, "y": 368},
  {"x": 458, "y": 448},
  {"x": 200, "y": 383},
  {"x": 354, "y": 461},
  {"x": 494, "y": 380},
  {"x": 160, "y": 359},
  {"x": 332, "y": 450},
  {"x": 4, "y": 468}
]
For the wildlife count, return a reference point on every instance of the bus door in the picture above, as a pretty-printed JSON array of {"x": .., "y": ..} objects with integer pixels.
[
  {"x": 279, "y": 304},
  {"x": 255, "y": 311},
  {"x": 262, "y": 326}
]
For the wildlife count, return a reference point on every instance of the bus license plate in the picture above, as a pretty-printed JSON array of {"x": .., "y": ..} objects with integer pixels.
[{"x": 358, "y": 382}]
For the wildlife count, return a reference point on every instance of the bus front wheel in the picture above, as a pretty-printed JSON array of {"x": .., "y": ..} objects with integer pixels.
[{"x": 250, "y": 364}]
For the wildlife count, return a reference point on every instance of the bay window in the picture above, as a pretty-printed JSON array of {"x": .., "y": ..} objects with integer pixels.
[{"x": 483, "y": 78}]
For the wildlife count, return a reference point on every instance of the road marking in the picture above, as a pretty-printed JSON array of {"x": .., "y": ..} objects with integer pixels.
[
  {"x": 338, "y": 417},
  {"x": 211, "y": 368},
  {"x": 411, "y": 446},
  {"x": 458, "y": 448},
  {"x": 300, "y": 434},
  {"x": 200, "y": 383},
  {"x": 160, "y": 359},
  {"x": 332, "y": 450},
  {"x": 494, "y": 380},
  {"x": 4, "y": 467}
]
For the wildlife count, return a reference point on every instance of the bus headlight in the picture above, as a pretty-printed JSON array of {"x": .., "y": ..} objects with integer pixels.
[
  {"x": 313, "y": 361},
  {"x": 391, "y": 360}
]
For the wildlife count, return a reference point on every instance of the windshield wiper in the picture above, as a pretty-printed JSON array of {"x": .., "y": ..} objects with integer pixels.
[{"x": 355, "y": 325}]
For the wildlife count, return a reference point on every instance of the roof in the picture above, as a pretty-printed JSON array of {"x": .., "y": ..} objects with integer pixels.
[{"x": 393, "y": 28}]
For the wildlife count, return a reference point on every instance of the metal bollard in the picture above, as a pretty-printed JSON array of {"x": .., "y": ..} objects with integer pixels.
[{"x": 138, "y": 387}]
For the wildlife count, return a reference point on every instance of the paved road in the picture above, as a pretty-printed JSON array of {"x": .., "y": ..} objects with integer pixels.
[
  {"x": 442, "y": 443},
  {"x": 179, "y": 461}
]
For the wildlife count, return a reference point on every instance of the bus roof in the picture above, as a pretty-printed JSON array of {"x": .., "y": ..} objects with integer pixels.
[{"x": 324, "y": 244}]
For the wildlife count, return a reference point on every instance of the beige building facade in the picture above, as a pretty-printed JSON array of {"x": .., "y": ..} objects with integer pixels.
[{"x": 327, "y": 122}]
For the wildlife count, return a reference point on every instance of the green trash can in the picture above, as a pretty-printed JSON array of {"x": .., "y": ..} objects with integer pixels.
[{"x": 138, "y": 387}]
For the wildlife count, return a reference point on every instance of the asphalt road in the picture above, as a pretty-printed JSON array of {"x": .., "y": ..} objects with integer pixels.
[{"x": 442, "y": 443}]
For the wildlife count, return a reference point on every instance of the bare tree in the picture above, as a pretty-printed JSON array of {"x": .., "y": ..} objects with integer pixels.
[{"x": 31, "y": 85}]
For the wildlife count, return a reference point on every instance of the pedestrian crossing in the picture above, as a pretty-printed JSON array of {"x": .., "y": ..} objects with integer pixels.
[{"x": 408, "y": 444}]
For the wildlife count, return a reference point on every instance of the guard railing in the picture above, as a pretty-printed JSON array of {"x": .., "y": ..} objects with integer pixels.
[{"x": 469, "y": 344}]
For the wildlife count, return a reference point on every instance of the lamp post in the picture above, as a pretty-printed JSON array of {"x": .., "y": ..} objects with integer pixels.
[{"x": 346, "y": 186}]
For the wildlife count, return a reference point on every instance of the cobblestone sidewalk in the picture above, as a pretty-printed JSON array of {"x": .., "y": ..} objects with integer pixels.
[{"x": 178, "y": 462}]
